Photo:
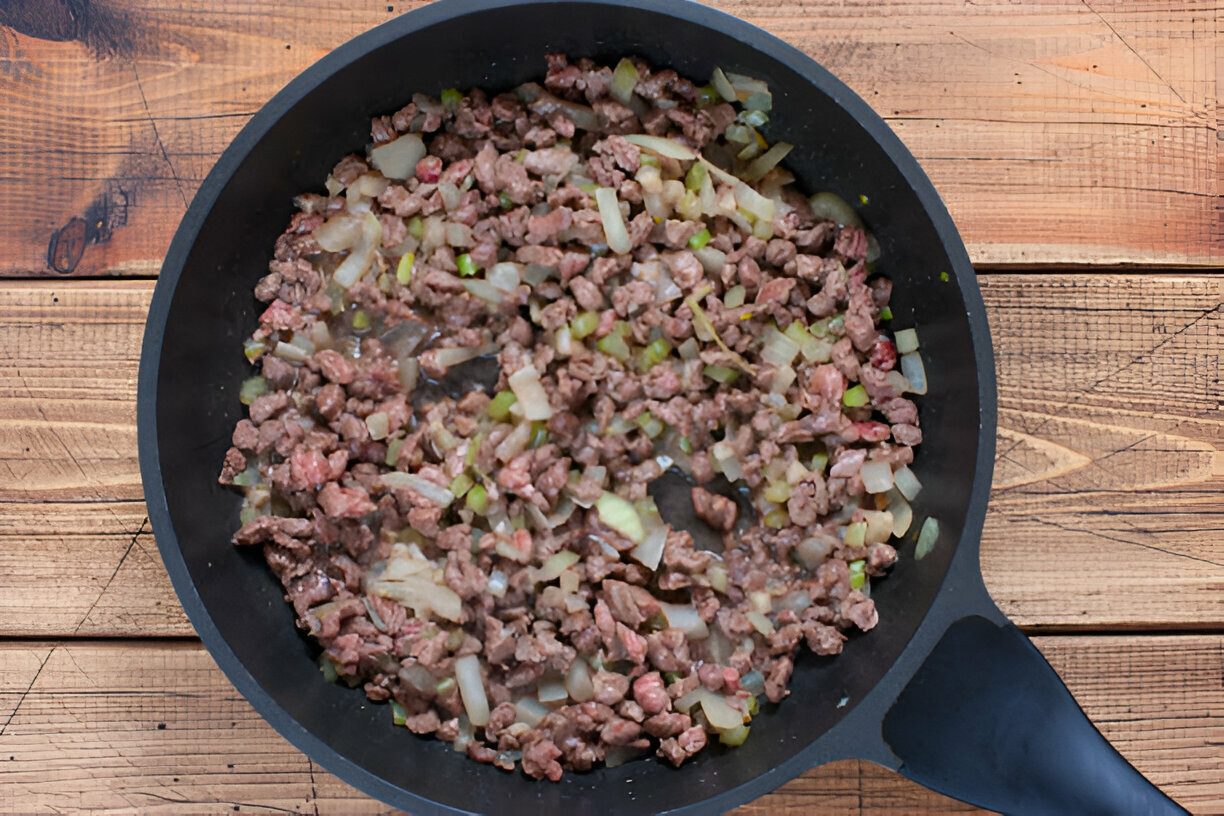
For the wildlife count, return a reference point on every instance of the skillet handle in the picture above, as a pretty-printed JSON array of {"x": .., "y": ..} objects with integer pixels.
[{"x": 987, "y": 720}]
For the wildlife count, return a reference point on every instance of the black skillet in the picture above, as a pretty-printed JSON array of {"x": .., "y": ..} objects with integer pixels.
[{"x": 946, "y": 691}]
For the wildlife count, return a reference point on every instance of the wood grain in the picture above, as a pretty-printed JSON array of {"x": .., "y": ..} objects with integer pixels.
[
  {"x": 1058, "y": 132},
  {"x": 1106, "y": 509},
  {"x": 153, "y": 727}
]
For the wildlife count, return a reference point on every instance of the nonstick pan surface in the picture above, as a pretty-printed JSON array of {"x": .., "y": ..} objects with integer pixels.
[{"x": 984, "y": 718}]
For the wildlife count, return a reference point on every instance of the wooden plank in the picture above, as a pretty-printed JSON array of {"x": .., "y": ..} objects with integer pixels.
[
  {"x": 1105, "y": 512},
  {"x": 1057, "y": 131},
  {"x": 117, "y": 727}
]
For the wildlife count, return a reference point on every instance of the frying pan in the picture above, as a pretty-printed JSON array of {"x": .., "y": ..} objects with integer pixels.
[{"x": 945, "y": 690}]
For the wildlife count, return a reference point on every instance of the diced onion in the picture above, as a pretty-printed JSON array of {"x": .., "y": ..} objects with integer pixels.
[
  {"x": 906, "y": 341},
  {"x": 685, "y": 618},
  {"x": 662, "y": 146},
  {"x": 525, "y": 383},
  {"x": 454, "y": 355},
  {"x": 712, "y": 259},
  {"x": 753, "y": 202},
  {"x": 498, "y": 582},
  {"x": 415, "y": 481},
  {"x": 723, "y": 86},
  {"x": 378, "y": 424},
  {"x": 721, "y": 715},
  {"x": 484, "y": 290},
  {"x": 926, "y": 538},
  {"x": 779, "y": 350},
  {"x": 812, "y": 552},
  {"x": 761, "y": 623},
  {"x": 555, "y": 565},
  {"x": 529, "y": 711},
  {"x": 458, "y": 235},
  {"x": 621, "y": 516},
  {"x": 362, "y": 255},
  {"x": 877, "y": 476},
  {"x": 398, "y": 159},
  {"x": 724, "y": 456},
  {"x": 505, "y": 276},
  {"x": 829, "y": 206},
  {"x": 915, "y": 372},
  {"x": 783, "y": 378},
  {"x": 650, "y": 551},
  {"x": 339, "y": 232},
  {"x": 515, "y": 442},
  {"x": 624, "y": 80},
  {"x": 578, "y": 682},
  {"x": 907, "y": 483},
  {"x": 449, "y": 192},
  {"x": 767, "y": 161},
  {"x": 879, "y": 526},
  {"x": 290, "y": 352},
  {"x": 471, "y": 689},
  {"x": 551, "y": 691},
  {"x": 613, "y": 219},
  {"x": 896, "y": 380},
  {"x": 902, "y": 513}
]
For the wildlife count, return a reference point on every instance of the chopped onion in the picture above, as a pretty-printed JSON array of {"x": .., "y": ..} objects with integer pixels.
[
  {"x": 525, "y": 383},
  {"x": 464, "y": 737},
  {"x": 398, "y": 159},
  {"x": 877, "y": 476},
  {"x": 783, "y": 378},
  {"x": 761, "y": 623},
  {"x": 498, "y": 582},
  {"x": 459, "y": 235},
  {"x": 650, "y": 551},
  {"x": 724, "y": 456},
  {"x": 529, "y": 711},
  {"x": 551, "y": 691},
  {"x": 718, "y": 647},
  {"x": 505, "y": 276},
  {"x": 896, "y": 380},
  {"x": 378, "y": 424},
  {"x": 907, "y": 483},
  {"x": 779, "y": 350},
  {"x": 796, "y": 601},
  {"x": 454, "y": 355},
  {"x": 689, "y": 350},
  {"x": 621, "y": 516},
  {"x": 339, "y": 232},
  {"x": 434, "y": 234},
  {"x": 555, "y": 565},
  {"x": 767, "y": 161},
  {"x": 471, "y": 689},
  {"x": 828, "y": 206},
  {"x": 906, "y": 340},
  {"x": 902, "y": 513},
  {"x": 753, "y": 682},
  {"x": 624, "y": 80},
  {"x": 662, "y": 146},
  {"x": 685, "y": 618},
  {"x": 753, "y": 202},
  {"x": 926, "y": 538},
  {"x": 613, "y": 220},
  {"x": 290, "y": 352},
  {"x": 879, "y": 526},
  {"x": 484, "y": 290},
  {"x": 419, "y": 677},
  {"x": 723, "y": 86},
  {"x": 712, "y": 259},
  {"x": 720, "y": 174},
  {"x": 741, "y": 82},
  {"x": 515, "y": 442},
  {"x": 666, "y": 289},
  {"x": 721, "y": 715},
  {"x": 450, "y": 194},
  {"x": 915, "y": 372},
  {"x": 415, "y": 481},
  {"x": 812, "y": 552},
  {"x": 578, "y": 682},
  {"x": 362, "y": 255}
]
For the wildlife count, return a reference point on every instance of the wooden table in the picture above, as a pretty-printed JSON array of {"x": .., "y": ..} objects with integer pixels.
[{"x": 1078, "y": 147}]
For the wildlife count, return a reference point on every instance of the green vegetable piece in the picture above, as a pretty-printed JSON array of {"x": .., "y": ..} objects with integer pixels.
[
  {"x": 393, "y": 451},
  {"x": 403, "y": 270},
  {"x": 855, "y": 397},
  {"x": 856, "y": 534},
  {"x": 416, "y": 227},
  {"x": 707, "y": 95},
  {"x": 328, "y": 669},
  {"x": 253, "y": 348},
  {"x": 539, "y": 434},
  {"x": 583, "y": 324},
  {"x": 504, "y": 201},
  {"x": 247, "y": 514},
  {"x": 614, "y": 345},
  {"x": 943, "y": 276},
  {"x": 671, "y": 677},
  {"x": 734, "y": 737},
  {"x": 474, "y": 448},
  {"x": 720, "y": 374},
  {"x": 685, "y": 444},
  {"x": 753, "y": 706},
  {"x": 499, "y": 406},
  {"x": 819, "y": 461},
  {"x": 651, "y": 425},
  {"x": 653, "y": 161},
  {"x": 655, "y": 352},
  {"x": 451, "y": 98},
  {"x": 837, "y": 325},
  {"x": 361, "y": 320},
  {"x": 478, "y": 500},
  {"x": 398, "y": 716},
  {"x": 820, "y": 328},
  {"x": 777, "y": 492},
  {"x": 445, "y": 686},
  {"x": 734, "y": 297},
  {"x": 621, "y": 516},
  {"x": 467, "y": 267},
  {"x": 776, "y": 519},
  {"x": 857, "y": 579},
  {"x": 461, "y": 484},
  {"x": 886, "y": 313},
  {"x": 252, "y": 389},
  {"x": 754, "y": 118},
  {"x": 695, "y": 177},
  {"x": 700, "y": 239}
]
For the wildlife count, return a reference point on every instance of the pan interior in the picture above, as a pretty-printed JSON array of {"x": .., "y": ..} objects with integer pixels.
[{"x": 212, "y": 310}]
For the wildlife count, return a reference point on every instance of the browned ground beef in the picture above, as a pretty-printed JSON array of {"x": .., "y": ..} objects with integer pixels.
[{"x": 422, "y": 527}]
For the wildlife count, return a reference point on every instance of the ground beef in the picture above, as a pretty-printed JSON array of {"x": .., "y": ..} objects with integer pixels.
[{"x": 450, "y": 455}]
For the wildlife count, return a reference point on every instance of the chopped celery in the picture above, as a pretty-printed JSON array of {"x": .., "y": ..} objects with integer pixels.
[
  {"x": 886, "y": 313},
  {"x": 539, "y": 434},
  {"x": 467, "y": 267},
  {"x": 252, "y": 389},
  {"x": 393, "y": 451},
  {"x": 614, "y": 345},
  {"x": 328, "y": 668},
  {"x": 253, "y": 348},
  {"x": 858, "y": 576},
  {"x": 654, "y": 353},
  {"x": 398, "y": 716},
  {"x": 855, "y": 397},
  {"x": 416, "y": 227},
  {"x": 361, "y": 320},
  {"x": 451, "y": 98},
  {"x": 720, "y": 374},
  {"x": 247, "y": 514},
  {"x": 445, "y": 686},
  {"x": 707, "y": 95},
  {"x": 696, "y": 176},
  {"x": 403, "y": 270},
  {"x": 777, "y": 492},
  {"x": 734, "y": 737},
  {"x": 819, "y": 460},
  {"x": 651, "y": 425},
  {"x": 461, "y": 484},
  {"x": 583, "y": 324},
  {"x": 499, "y": 406},
  {"x": 477, "y": 500},
  {"x": 504, "y": 201},
  {"x": 702, "y": 238},
  {"x": 776, "y": 519},
  {"x": 856, "y": 534}
]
